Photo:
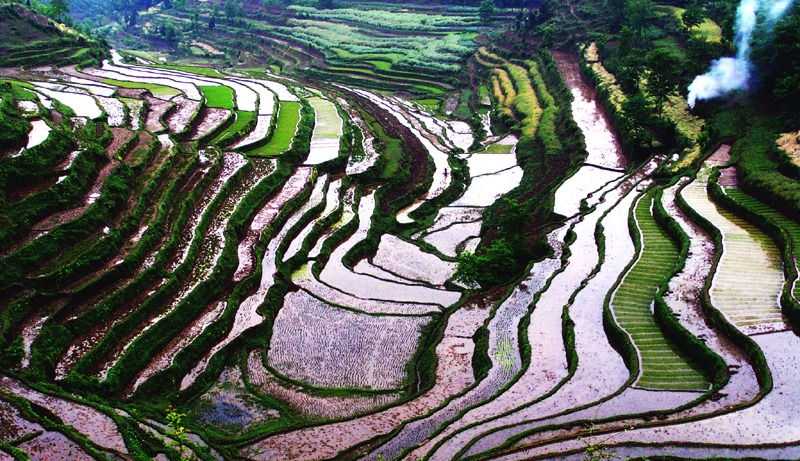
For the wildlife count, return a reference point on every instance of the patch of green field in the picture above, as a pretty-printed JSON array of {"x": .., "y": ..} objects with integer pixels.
[
  {"x": 218, "y": 96},
  {"x": 708, "y": 29},
  {"x": 285, "y": 129},
  {"x": 790, "y": 226},
  {"x": 241, "y": 121},
  {"x": 663, "y": 364},
  {"x": 388, "y": 57},
  {"x": 199, "y": 70},
  {"x": 20, "y": 90},
  {"x": 425, "y": 89},
  {"x": 159, "y": 91},
  {"x": 430, "y": 104},
  {"x": 498, "y": 148},
  {"x": 483, "y": 96},
  {"x": 381, "y": 65},
  {"x": 328, "y": 123},
  {"x": 392, "y": 153},
  {"x": 150, "y": 56}
]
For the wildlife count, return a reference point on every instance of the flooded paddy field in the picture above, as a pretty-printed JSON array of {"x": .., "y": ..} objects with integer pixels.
[{"x": 296, "y": 285}]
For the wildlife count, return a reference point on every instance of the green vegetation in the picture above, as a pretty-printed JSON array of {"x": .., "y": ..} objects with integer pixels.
[
  {"x": 790, "y": 226},
  {"x": 135, "y": 275},
  {"x": 159, "y": 91},
  {"x": 285, "y": 129},
  {"x": 237, "y": 129},
  {"x": 219, "y": 96},
  {"x": 663, "y": 364},
  {"x": 31, "y": 40}
]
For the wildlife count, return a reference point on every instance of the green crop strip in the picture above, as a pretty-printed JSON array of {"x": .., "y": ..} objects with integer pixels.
[
  {"x": 663, "y": 364},
  {"x": 243, "y": 118},
  {"x": 220, "y": 96},
  {"x": 790, "y": 226},
  {"x": 285, "y": 129},
  {"x": 159, "y": 91}
]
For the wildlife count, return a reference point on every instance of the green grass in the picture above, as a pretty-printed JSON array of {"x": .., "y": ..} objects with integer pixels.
[
  {"x": 708, "y": 29},
  {"x": 286, "y": 127},
  {"x": 199, "y": 70},
  {"x": 159, "y": 91},
  {"x": 328, "y": 123},
  {"x": 430, "y": 104},
  {"x": 749, "y": 276},
  {"x": 388, "y": 57},
  {"x": 663, "y": 364},
  {"x": 242, "y": 119},
  {"x": 220, "y": 96},
  {"x": 497, "y": 148},
  {"x": 790, "y": 226},
  {"x": 381, "y": 65}
]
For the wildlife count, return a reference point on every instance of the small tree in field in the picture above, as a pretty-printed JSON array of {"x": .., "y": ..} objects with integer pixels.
[{"x": 486, "y": 10}]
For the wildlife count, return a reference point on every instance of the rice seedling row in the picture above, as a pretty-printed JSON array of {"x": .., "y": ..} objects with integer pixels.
[
  {"x": 247, "y": 315},
  {"x": 309, "y": 403},
  {"x": 748, "y": 254},
  {"x": 790, "y": 226},
  {"x": 550, "y": 384},
  {"x": 631, "y": 302},
  {"x": 328, "y": 129}
]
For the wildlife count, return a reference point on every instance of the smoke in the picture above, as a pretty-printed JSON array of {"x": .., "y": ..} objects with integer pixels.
[{"x": 733, "y": 73}]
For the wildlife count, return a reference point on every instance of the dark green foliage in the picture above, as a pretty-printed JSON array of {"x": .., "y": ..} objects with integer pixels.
[
  {"x": 13, "y": 127},
  {"x": 662, "y": 80},
  {"x": 717, "y": 319},
  {"x": 488, "y": 266},
  {"x": 694, "y": 15}
]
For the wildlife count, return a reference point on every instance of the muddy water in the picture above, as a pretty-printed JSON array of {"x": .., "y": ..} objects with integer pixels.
[
  {"x": 503, "y": 351},
  {"x": 213, "y": 119},
  {"x": 601, "y": 370},
  {"x": 326, "y": 346},
  {"x": 331, "y": 204},
  {"x": 307, "y": 402},
  {"x": 453, "y": 375},
  {"x": 336, "y": 275},
  {"x": 773, "y": 420},
  {"x": 82, "y": 104},
  {"x": 94, "y": 424},
  {"x": 602, "y": 143},
  {"x": 247, "y": 315}
]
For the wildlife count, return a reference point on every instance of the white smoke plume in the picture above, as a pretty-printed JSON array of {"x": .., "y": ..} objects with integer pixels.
[{"x": 733, "y": 73}]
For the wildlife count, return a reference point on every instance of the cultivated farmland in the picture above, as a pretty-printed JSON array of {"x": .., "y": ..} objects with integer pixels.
[{"x": 234, "y": 264}]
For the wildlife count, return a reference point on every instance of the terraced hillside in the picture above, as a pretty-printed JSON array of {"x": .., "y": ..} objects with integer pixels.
[
  {"x": 30, "y": 39},
  {"x": 208, "y": 265}
]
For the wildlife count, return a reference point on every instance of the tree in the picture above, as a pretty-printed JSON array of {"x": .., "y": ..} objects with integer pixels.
[
  {"x": 786, "y": 73},
  {"x": 663, "y": 75},
  {"x": 487, "y": 267},
  {"x": 57, "y": 9},
  {"x": 639, "y": 15},
  {"x": 486, "y": 10},
  {"x": 694, "y": 15}
]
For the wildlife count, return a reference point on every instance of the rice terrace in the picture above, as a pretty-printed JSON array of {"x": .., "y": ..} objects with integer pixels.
[{"x": 380, "y": 230}]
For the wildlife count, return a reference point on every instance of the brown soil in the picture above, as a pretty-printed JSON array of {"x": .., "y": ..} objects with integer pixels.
[
  {"x": 145, "y": 139},
  {"x": 119, "y": 136},
  {"x": 727, "y": 177},
  {"x": 19, "y": 193},
  {"x": 156, "y": 111},
  {"x": 412, "y": 146}
]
